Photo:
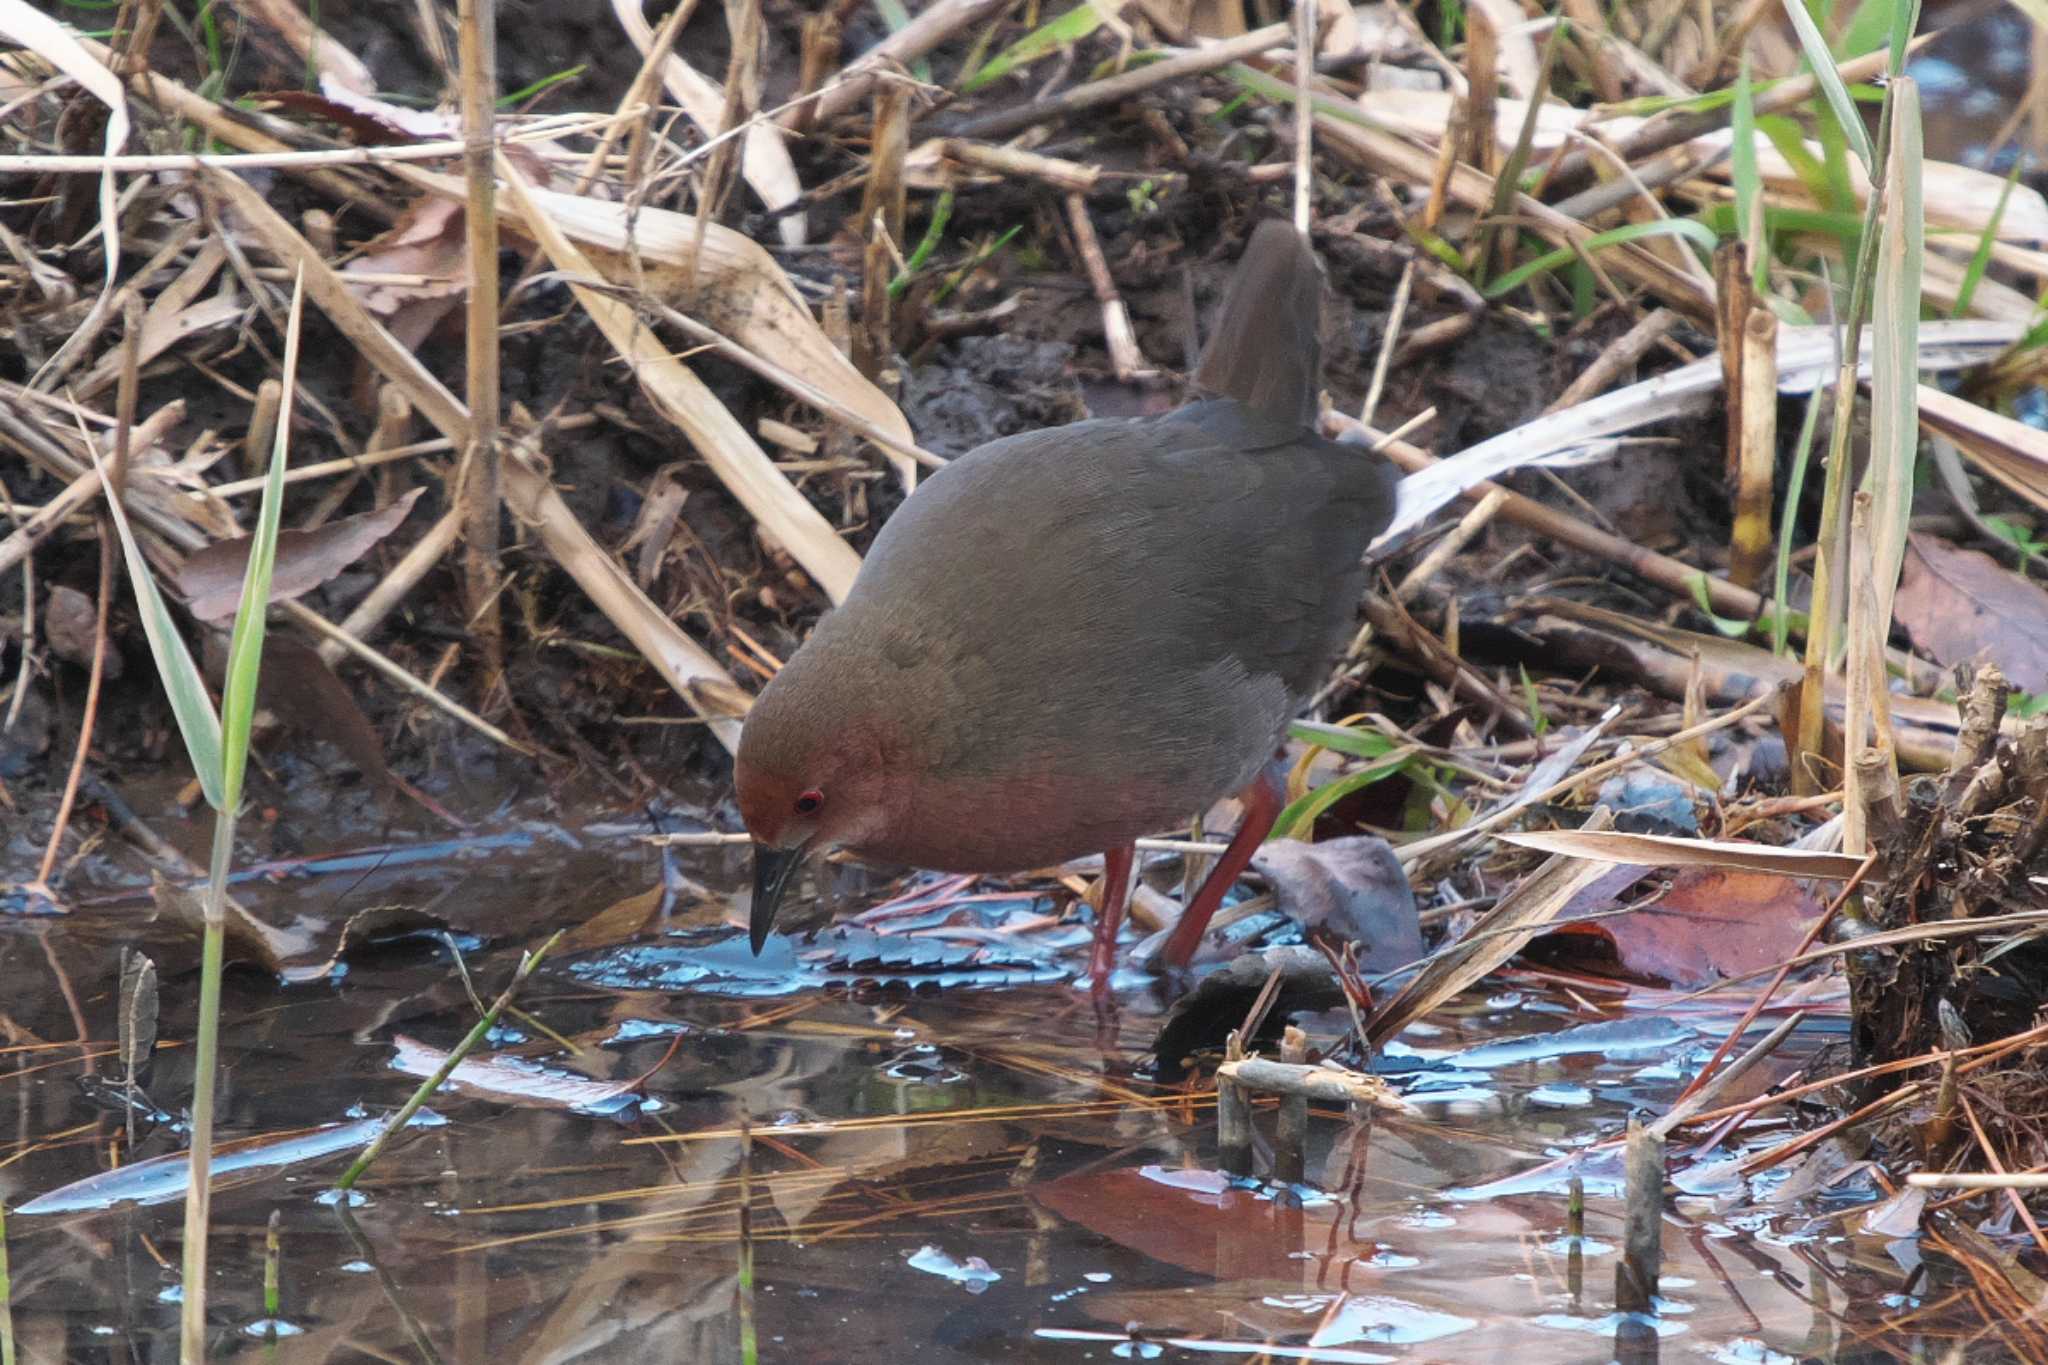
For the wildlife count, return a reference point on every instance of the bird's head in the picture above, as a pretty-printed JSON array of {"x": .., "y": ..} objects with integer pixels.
[{"x": 810, "y": 779}]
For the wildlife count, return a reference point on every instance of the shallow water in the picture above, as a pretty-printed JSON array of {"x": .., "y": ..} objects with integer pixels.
[{"x": 957, "y": 1174}]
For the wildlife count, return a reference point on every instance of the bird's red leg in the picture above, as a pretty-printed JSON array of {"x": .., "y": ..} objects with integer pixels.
[
  {"x": 1116, "y": 890},
  {"x": 1262, "y": 801}
]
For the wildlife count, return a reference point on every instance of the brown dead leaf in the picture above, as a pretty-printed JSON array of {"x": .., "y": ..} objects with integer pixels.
[
  {"x": 429, "y": 240},
  {"x": 1711, "y": 923},
  {"x": 211, "y": 579},
  {"x": 71, "y": 621},
  {"x": 298, "y": 686},
  {"x": 288, "y": 954},
  {"x": 1351, "y": 888},
  {"x": 1962, "y": 605}
]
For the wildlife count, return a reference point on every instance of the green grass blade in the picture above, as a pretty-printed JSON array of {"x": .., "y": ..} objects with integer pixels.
[
  {"x": 1871, "y": 27},
  {"x": 1342, "y": 738},
  {"x": 245, "y": 647},
  {"x": 1298, "y": 821},
  {"x": 1980, "y": 260},
  {"x": 1802, "y": 455},
  {"x": 1823, "y": 63},
  {"x": 1063, "y": 30},
  {"x": 1691, "y": 229},
  {"x": 182, "y": 681},
  {"x": 1749, "y": 181}
]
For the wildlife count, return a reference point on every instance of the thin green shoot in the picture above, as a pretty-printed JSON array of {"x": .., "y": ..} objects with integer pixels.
[
  {"x": 1539, "y": 719},
  {"x": 525, "y": 93},
  {"x": 217, "y": 745},
  {"x": 2020, "y": 537},
  {"x": 1690, "y": 229},
  {"x": 1450, "y": 23},
  {"x": 1060, "y": 31},
  {"x": 934, "y": 232},
  {"x": 312, "y": 72},
  {"x": 273, "y": 1256},
  {"x": 1230, "y": 107},
  {"x": 1789, "y": 138},
  {"x": 1343, "y": 739},
  {"x": 954, "y": 280},
  {"x": 1773, "y": 617},
  {"x": 1802, "y": 457},
  {"x": 1980, "y": 260},
  {"x": 485, "y": 1023}
]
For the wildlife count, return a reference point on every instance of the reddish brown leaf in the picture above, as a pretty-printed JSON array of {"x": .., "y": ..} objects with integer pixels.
[
  {"x": 1963, "y": 605},
  {"x": 211, "y": 579},
  {"x": 304, "y": 692},
  {"x": 1192, "y": 1219},
  {"x": 1711, "y": 923}
]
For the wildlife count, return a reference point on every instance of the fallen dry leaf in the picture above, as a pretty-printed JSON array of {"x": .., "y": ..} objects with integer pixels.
[
  {"x": 211, "y": 579},
  {"x": 71, "y": 621},
  {"x": 429, "y": 240},
  {"x": 1711, "y": 923},
  {"x": 1352, "y": 889},
  {"x": 1962, "y": 605}
]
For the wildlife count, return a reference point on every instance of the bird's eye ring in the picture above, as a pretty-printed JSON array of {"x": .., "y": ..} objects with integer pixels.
[{"x": 810, "y": 801}]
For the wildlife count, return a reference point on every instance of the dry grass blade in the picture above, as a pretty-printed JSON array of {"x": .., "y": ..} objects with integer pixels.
[
  {"x": 1658, "y": 850},
  {"x": 733, "y": 286},
  {"x": 1805, "y": 355},
  {"x": 740, "y": 464},
  {"x": 2007, "y": 449},
  {"x": 1501, "y": 933},
  {"x": 765, "y": 160}
]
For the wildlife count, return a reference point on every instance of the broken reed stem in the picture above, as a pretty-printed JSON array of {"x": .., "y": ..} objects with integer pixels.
[
  {"x": 397, "y": 1122},
  {"x": 1635, "y": 1277},
  {"x": 1117, "y": 335},
  {"x": 1749, "y": 367},
  {"x": 273, "y": 1255},
  {"x": 1233, "y": 1118},
  {"x": 1290, "y": 1134},
  {"x": 479, "y": 480}
]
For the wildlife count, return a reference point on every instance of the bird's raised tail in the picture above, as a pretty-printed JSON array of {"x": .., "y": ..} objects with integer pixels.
[{"x": 1265, "y": 349}]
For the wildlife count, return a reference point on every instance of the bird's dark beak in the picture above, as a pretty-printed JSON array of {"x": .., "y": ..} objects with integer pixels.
[{"x": 773, "y": 869}]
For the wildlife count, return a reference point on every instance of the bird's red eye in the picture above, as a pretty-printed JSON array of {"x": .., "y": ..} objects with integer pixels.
[{"x": 809, "y": 801}]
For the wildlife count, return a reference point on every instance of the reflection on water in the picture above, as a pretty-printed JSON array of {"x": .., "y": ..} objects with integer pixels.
[{"x": 960, "y": 1174}]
